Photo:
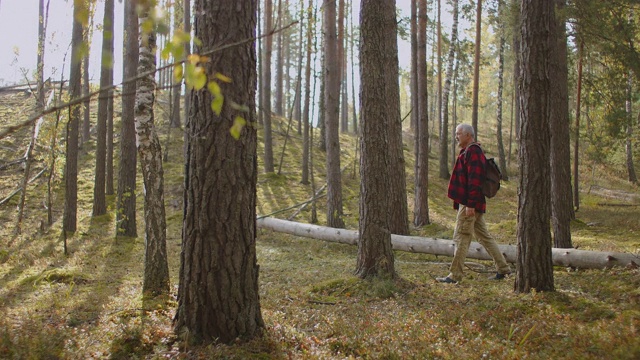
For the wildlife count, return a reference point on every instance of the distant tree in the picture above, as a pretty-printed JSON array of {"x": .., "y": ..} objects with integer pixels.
[
  {"x": 500, "y": 23},
  {"x": 560, "y": 159},
  {"x": 70, "y": 220},
  {"x": 421, "y": 206},
  {"x": 332, "y": 104},
  {"x": 99, "y": 197},
  {"x": 266, "y": 90},
  {"x": 476, "y": 67},
  {"x": 87, "y": 34},
  {"x": 126, "y": 198},
  {"x": 444, "y": 131},
  {"x": 306, "y": 113},
  {"x": 40, "y": 90},
  {"x": 344, "y": 122},
  {"x": 444, "y": 137},
  {"x": 176, "y": 122},
  {"x": 156, "y": 269},
  {"x": 379, "y": 109},
  {"x": 218, "y": 297},
  {"x": 187, "y": 51},
  {"x": 534, "y": 268},
  {"x": 414, "y": 72},
  {"x": 278, "y": 98}
]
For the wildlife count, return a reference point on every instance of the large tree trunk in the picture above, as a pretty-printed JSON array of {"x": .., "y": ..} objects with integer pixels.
[
  {"x": 126, "y": 199},
  {"x": 581, "y": 259},
  {"x": 576, "y": 160},
  {"x": 421, "y": 205},
  {"x": 99, "y": 196},
  {"x": 379, "y": 110},
  {"x": 560, "y": 159},
  {"x": 414, "y": 70},
  {"x": 75, "y": 91},
  {"x": 332, "y": 111},
  {"x": 218, "y": 298},
  {"x": 156, "y": 270},
  {"x": 534, "y": 267}
]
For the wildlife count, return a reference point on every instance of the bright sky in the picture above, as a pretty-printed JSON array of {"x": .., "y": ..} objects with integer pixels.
[{"x": 19, "y": 29}]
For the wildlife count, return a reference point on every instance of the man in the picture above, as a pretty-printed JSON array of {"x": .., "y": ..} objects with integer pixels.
[{"x": 465, "y": 189}]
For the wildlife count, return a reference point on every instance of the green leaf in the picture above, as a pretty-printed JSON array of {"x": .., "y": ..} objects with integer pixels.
[
  {"x": 178, "y": 72},
  {"x": 214, "y": 89},
  {"x": 223, "y": 78}
]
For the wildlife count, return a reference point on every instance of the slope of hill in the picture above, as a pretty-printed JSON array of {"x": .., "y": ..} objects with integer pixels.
[{"x": 88, "y": 304}]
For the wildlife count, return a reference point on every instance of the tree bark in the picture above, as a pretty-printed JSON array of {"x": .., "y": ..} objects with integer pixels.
[
  {"x": 560, "y": 159},
  {"x": 278, "y": 107},
  {"x": 379, "y": 109},
  {"x": 218, "y": 297},
  {"x": 628, "y": 143},
  {"x": 156, "y": 270},
  {"x": 580, "y": 259},
  {"x": 332, "y": 112},
  {"x": 126, "y": 198},
  {"x": 306, "y": 142},
  {"x": 534, "y": 267}
]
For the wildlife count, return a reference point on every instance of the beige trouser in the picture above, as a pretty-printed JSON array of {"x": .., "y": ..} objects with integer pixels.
[{"x": 466, "y": 226}]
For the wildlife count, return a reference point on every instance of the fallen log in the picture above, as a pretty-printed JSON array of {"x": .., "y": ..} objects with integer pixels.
[{"x": 581, "y": 259}]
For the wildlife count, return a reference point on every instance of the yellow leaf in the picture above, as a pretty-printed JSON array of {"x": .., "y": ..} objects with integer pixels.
[
  {"x": 177, "y": 72},
  {"x": 214, "y": 88},
  {"x": 194, "y": 59},
  {"x": 238, "y": 124},
  {"x": 223, "y": 78},
  {"x": 216, "y": 104}
]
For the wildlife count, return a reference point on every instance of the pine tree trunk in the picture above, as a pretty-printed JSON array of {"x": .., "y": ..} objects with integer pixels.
[
  {"x": 306, "y": 142},
  {"x": 576, "y": 162},
  {"x": 218, "y": 297},
  {"x": 560, "y": 159},
  {"x": 628, "y": 144},
  {"x": 70, "y": 221},
  {"x": 379, "y": 109},
  {"x": 501, "y": 42},
  {"x": 176, "y": 122},
  {"x": 126, "y": 198},
  {"x": 266, "y": 90},
  {"x": 476, "y": 68},
  {"x": 414, "y": 72},
  {"x": 156, "y": 270},
  {"x": 421, "y": 206},
  {"x": 99, "y": 194},
  {"x": 332, "y": 112},
  {"x": 445, "y": 136},
  {"x": 534, "y": 266},
  {"x": 278, "y": 107}
]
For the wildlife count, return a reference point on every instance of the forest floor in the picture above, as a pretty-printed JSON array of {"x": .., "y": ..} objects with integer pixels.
[{"x": 88, "y": 303}]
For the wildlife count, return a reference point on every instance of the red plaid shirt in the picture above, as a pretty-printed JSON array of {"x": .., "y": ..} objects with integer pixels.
[{"x": 465, "y": 185}]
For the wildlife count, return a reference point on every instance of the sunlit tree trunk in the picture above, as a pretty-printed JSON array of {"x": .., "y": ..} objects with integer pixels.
[
  {"x": 99, "y": 196},
  {"x": 332, "y": 112},
  {"x": 628, "y": 144},
  {"x": 278, "y": 106},
  {"x": 380, "y": 104},
  {"x": 534, "y": 266},
  {"x": 126, "y": 198},
  {"x": 156, "y": 270},
  {"x": 414, "y": 69},
  {"x": 218, "y": 297},
  {"x": 70, "y": 220},
  {"x": 421, "y": 206},
  {"x": 266, "y": 90}
]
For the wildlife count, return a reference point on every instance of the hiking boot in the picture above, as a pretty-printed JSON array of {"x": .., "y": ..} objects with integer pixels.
[
  {"x": 446, "y": 280},
  {"x": 499, "y": 276}
]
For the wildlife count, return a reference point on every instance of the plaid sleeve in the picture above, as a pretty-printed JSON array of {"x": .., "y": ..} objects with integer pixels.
[{"x": 475, "y": 163}]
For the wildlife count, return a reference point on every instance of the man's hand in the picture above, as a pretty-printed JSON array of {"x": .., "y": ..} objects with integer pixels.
[{"x": 469, "y": 211}]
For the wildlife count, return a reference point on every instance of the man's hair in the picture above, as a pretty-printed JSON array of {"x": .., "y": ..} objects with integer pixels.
[{"x": 467, "y": 129}]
